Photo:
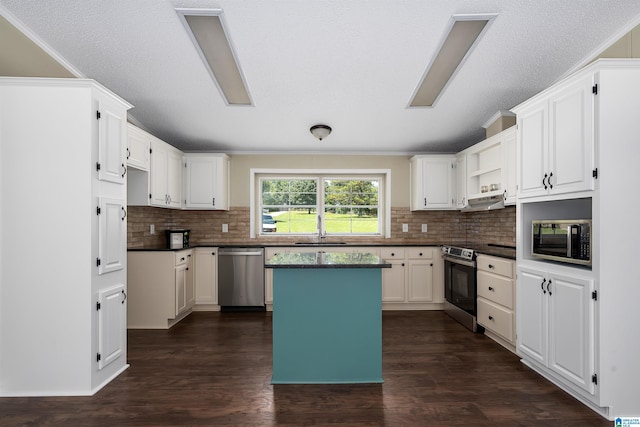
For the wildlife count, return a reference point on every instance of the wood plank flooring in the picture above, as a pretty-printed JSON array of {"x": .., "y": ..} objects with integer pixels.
[{"x": 214, "y": 369}]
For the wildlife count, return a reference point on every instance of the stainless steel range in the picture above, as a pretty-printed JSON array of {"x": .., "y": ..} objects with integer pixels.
[{"x": 460, "y": 285}]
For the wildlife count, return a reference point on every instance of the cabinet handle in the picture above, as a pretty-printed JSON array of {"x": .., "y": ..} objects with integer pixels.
[
  {"x": 549, "y": 180},
  {"x": 542, "y": 286},
  {"x": 213, "y": 201},
  {"x": 543, "y": 183},
  {"x": 491, "y": 289},
  {"x": 548, "y": 287},
  {"x": 504, "y": 195},
  {"x": 425, "y": 201},
  {"x": 124, "y": 297},
  {"x": 124, "y": 170},
  {"x": 490, "y": 317},
  {"x": 128, "y": 153},
  {"x": 124, "y": 212},
  {"x": 464, "y": 200}
]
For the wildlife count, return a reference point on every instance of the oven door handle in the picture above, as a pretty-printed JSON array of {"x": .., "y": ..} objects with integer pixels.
[{"x": 459, "y": 261}]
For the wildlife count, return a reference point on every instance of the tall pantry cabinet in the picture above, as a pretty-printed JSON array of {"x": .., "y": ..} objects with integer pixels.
[
  {"x": 578, "y": 156},
  {"x": 63, "y": 236}
]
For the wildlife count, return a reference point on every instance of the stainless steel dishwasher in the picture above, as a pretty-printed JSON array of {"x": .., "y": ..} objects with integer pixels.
[{"x": 241, "y": 279}]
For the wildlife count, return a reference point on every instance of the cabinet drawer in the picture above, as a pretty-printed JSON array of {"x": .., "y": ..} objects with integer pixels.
[
  {"x": 496, "y": 319},
  {"x": 392, "y": 253},
  {"x": 498, "y": 289},
  {"x": 181, "y": 258},
  {"x": 419, "y": 253},
  {"x": 501, "y": 266}
]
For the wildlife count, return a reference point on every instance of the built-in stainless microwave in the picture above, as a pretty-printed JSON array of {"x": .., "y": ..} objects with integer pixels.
[{"x": 562, "y": 240}]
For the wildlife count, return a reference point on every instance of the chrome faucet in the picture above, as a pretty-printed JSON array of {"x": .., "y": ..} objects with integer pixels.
[{"x": 320, "y": 235}]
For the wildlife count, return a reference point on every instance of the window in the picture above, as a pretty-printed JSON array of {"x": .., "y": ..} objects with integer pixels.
[{"x": 345, "y": 204}]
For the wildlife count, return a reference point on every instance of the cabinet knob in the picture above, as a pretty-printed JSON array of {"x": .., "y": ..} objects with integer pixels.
[
  {"x": 490, "y": 317},
  {"x": 491, "y": 266},
  {"x": 420, "y": 254},
  {"x": 213, "y": 253},
  {"x": 393, "y": 254},
  {"x": 187, "y": 268},
  {"x": 491, "y": 288},
  {"x": 431, "y": 265},
  {"x": 403, "y": 264}
]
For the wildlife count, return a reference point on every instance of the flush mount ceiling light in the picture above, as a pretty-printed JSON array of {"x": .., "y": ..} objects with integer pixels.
[
  {"x": 320, "y": 131},
  {"x": 464, "y": 32},
  {"x": 207, "y": 31}
]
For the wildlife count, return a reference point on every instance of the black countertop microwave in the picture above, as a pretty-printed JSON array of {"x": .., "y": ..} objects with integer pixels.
[{"x": 562, "y": 240}]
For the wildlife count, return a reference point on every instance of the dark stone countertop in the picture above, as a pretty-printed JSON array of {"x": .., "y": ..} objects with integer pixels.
[
  {"x": 501, "y": 251},
  {"x": 326, "y": 260}
]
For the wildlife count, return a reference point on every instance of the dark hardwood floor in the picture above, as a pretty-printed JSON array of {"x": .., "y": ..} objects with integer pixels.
[{"x": 215, "y": 369}]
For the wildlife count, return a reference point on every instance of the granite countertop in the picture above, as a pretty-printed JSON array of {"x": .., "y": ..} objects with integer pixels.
[
  {"x": 501, "y": 251},
  {"x": 325, "y": 260}
]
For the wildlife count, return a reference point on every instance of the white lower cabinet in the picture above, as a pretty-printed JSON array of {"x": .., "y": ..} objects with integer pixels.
[
  {"x": 206, "y": 279},
  {"x": 415, "y": 279},
  {"x": 112, "y": 328},
  {"x": 556, "y": 323},
  {"x": 161, "y": 288},
  {"x": 496, "y": 299}
]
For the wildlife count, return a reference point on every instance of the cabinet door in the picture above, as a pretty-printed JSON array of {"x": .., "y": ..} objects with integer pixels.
[
  {"x": 190, "y": 288},
  {"x": 174, "y": 178},
  {"x": 532, "y": 314},
  {"x": 532, "y": 151},
  {"x": 137, "y": 148},
  {"x": 181, "y": 289},
  {"x": 571, "y": 330},
  {"x": 393, "y": 282},
  {"x": 159, "y": 174},
  {"x": 437, "y": 182},
  {"x": 112, "y": 235},
  {"x": 111, "y": 143},
  {"x": 509, "y": 168},
  {"x": 420, "y": 281},
  {"x": 112, "y": 325},
  {"x": 571, "y": 138},
  {"x": 205, "y": 181},
  {"x": 461, "y": 182},
  {"x": 206, "y": 276}
]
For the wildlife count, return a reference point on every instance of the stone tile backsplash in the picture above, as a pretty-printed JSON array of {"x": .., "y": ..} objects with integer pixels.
[{"x": 450, "y": 227}]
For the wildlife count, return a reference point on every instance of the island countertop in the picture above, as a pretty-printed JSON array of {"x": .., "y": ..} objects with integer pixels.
[{"x": 326, "y": 260}]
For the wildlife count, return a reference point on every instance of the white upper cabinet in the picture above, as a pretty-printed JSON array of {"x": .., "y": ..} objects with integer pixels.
[
  {"x": 432, "y": 182},
  {"x": 166, "y": 175},
  {"x": 138, "y": 145},
  {"x": 112, "y": 142},
  {"x": 461, "y": 181},
  {"x": 556, "y": 140},
  {"x": 206, "y": 181}
]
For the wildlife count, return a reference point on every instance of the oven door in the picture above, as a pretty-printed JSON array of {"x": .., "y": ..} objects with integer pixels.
[{"x": 460, "y": 284}]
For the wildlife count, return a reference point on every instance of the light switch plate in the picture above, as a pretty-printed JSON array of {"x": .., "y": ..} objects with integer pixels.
[
  {"x": 405, "y": 228},
  {"x": 152, "y": 229},
  {"x": 225, "y": 228},
  {"x": 424, "y": 228}
]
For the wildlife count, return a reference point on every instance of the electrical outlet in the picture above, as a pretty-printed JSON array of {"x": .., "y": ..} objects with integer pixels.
[
  {"x": 225, "y": 228},
  {"x": 424, "y": 228},
  {"x": 152, "y": 229},
  {"x": 405, "y": 228}
]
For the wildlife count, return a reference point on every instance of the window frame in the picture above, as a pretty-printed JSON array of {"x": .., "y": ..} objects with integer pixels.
[{"x": 383, "y": 175}]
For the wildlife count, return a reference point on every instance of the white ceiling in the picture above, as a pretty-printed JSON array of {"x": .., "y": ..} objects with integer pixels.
[{"x": 351, "y": 64}]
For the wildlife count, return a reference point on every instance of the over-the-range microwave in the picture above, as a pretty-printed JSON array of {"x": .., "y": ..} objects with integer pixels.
[{"x": 562, "y": 240}]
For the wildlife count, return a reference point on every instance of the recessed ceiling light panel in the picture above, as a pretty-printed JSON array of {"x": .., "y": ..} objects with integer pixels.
[
  {"x": 463, "y": 34},
  {"x": 207, "y": 31}
]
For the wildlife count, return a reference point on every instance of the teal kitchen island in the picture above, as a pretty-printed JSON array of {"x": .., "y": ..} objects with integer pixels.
[{"x": 327, "y": 318}]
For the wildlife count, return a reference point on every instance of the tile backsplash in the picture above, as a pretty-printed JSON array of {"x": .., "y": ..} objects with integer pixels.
[{"x": 444, "y": 227}]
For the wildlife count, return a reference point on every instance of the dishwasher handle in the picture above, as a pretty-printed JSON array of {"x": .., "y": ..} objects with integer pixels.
[{"x": 239, "y": 253}]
